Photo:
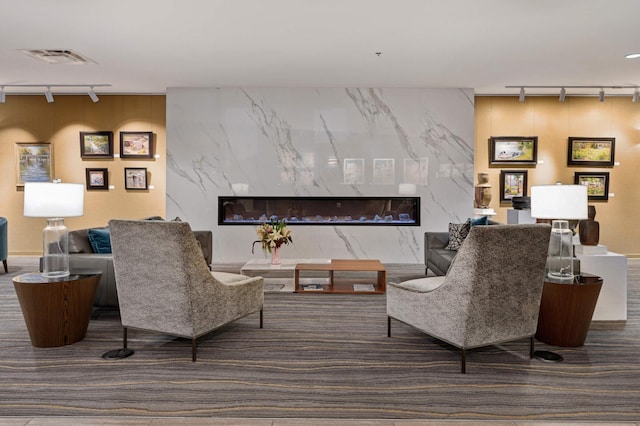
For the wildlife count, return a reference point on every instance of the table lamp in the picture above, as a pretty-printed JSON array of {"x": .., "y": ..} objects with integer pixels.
[
  {"x": 55, "y": 201},
  {"x": 559, "y": 204}
]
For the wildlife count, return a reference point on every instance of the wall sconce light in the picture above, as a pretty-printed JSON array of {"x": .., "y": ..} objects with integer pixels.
[
  {"x": 563, "y": 93},
  {"x": 521, "y": 98},
  {"x": 48, "y": 95}
]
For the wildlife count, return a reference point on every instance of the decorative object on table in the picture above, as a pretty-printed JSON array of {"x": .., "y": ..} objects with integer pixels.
[
  {"x": 136, "y": 144},
  {"x": 97, "y": 179},
  {"x": 55, "y": 201},
  {"x": 482, "y": 194},
  {"x": 589, "y": 229},
  {"x": 272, "y": 235},
  {"x": 521, "y": 203},
  {"x": 513, "y": 150},
  {"x": 559, "y": 204},
  {"x": 513, "y": 183},
  {"x": 34, "y": 162},
  {"x": 592, "y": 152},
  {"x": 597, "y": 184},
  {"x": 135, "y": 178},
  {"x": 96, "y": 145}
]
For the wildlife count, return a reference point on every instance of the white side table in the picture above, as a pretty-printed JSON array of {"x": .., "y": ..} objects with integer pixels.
[{"x": 612, "y": 267}]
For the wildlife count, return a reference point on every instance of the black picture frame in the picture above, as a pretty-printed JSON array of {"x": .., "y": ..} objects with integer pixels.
[
  {"x": 513, "y": 183},
  {"x": 135, "y": 178},
  {"x": 97, "y": 179},
  {"x": 513, "y": 150},
  {"x": 597, "y": 184},
  {"x": 591, "y": 152},
  {"x": 136, "y": 145},
  {"x": 96, "y": 145}
]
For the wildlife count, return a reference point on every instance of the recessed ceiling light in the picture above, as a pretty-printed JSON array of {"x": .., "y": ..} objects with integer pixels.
[{"x": 632, "y": 56}]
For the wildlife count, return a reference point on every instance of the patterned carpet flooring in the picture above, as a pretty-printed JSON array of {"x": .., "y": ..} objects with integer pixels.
[{"x": 318, "y": 356}]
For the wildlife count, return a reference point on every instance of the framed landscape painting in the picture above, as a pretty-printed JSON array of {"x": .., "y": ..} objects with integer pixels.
[
  {"x": 34, "y": 162},
  {"x": 96, "y": 145},
  {"x": 97, "y": 179},
  {"x": 136, "y": 144},
  {"x": 515, "y": 150},
  {"x": 597, "y": 184},
  {"x": 135, "y": 178},
  {"x": 591, "y": 152},
  {"x": 513, "y": 183}
]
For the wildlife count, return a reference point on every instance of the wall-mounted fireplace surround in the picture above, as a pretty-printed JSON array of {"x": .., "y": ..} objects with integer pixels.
[{"x": 397, "y": 211}]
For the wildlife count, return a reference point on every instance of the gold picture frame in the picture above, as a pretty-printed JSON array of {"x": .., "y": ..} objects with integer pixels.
[{"x": 34, "y": 162}]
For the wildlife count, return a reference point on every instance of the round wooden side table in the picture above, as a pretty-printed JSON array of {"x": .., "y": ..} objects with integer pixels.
[
  {"x": 566, "y": 310},
  {"x": 56, "y": 311}
]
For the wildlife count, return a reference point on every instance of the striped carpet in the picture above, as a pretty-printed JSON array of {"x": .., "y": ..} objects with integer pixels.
[{"x": 319, "y": 356}]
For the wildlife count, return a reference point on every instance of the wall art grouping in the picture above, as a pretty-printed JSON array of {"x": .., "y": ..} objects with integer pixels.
[
  {"x": 135, "y": 178},
  {"x": 99, "y": 145}
]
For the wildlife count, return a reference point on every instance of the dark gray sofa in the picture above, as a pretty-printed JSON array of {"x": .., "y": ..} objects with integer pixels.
[
  {"x": 82, "y": 258},
  {"x": 436, "y": 257}
]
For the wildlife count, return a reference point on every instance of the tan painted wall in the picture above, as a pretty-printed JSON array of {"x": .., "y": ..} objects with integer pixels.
[
  {"x": 32, "y": 119},
  {"x": 553, "y": 122}
]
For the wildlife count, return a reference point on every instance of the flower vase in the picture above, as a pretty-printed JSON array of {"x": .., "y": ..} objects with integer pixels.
[{"x": 275, "y": 256}]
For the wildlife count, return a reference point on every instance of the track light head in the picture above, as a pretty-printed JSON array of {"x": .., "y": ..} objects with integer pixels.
[
  {"x": 563, "y": 93},
  {"x": 635, "y": 96},
  {"x": 601, "y": 95},
  {"x": 93, "y": 95},
  {"x": 3, "y": 96},
  {"x": 48, "y": 95},
  {"x": 521, "y": 98}
]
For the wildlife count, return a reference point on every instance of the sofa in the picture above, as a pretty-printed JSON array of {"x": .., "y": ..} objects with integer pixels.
[
  {"x": 82, "y": 257},
  {"x": 437, "y": 257}
]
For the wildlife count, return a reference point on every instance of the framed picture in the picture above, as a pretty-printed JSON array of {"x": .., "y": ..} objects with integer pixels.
[
  {"x": 591, "y": 152},
  {"x": 96, "y": 144},
  {"x": 597, "y": 184},
  {"x": 97, "y": 179},
  {"x": 513, "y": 183},
  {"x": 135, "y": 178},
  {"x": 34, "y": 162},
  {"x": 353, "y": 171},
  {"x": 384, "y": 171},
  {"x": 516, "y": 150},
  {"x": 136, "y": 144}
]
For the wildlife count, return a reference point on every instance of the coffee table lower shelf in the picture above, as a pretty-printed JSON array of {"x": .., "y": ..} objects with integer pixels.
[{"x": 343, "y": 285}]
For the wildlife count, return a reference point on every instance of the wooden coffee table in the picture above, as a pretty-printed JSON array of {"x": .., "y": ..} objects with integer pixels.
[{"x": 343, "y": 284}]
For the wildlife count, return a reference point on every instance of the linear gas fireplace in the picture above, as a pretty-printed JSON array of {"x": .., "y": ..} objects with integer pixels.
[{"x": 397, "y": 211}]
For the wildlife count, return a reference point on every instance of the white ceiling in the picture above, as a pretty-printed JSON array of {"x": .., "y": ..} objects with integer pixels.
[{"x": 146, "y": 46}]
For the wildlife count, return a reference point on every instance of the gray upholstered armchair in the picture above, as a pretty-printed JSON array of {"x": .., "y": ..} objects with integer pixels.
[
  {"x": 165, "y": 285},
  {"x": 490, "y": 295}
]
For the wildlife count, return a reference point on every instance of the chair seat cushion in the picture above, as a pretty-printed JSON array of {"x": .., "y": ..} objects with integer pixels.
[
  {"x": 228, "y": 277},
  {"x": 421, "y": 285}
]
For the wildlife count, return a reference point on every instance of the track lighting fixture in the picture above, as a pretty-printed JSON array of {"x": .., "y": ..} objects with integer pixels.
[
  {"x": 47, "y": 92},
  {"x": 580, "y": 91},
  {"x": 48, "y": 95},
  {"x": 93, "y": 95}
]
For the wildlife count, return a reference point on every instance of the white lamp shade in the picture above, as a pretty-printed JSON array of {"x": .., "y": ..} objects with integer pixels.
[
  {"x": 53, "y": 199},
  {"x": 568, "y": 202}
]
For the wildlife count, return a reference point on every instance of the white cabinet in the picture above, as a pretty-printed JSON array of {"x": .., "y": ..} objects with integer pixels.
[{"x": 612, "y": 268}]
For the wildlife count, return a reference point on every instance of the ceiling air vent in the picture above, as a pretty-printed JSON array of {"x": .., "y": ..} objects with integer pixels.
[{"x": 58, "y": 56}]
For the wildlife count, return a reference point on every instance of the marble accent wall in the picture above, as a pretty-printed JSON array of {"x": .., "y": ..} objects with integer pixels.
[{"x": 321, "y": 142}]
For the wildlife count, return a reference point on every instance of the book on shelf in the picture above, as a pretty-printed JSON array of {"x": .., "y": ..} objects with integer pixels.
[
  {"x": 364, "y": 287},
  {"x": 312, "y": 287}
]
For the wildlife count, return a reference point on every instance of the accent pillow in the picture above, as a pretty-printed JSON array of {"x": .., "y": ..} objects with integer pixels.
[
  {"x": 100, "y": 240},
  {"x": 484, "y": 220},
  {"x": 457, "y": 233}
]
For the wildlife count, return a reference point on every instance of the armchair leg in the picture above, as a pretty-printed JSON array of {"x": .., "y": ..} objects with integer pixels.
[
  {"x": 464, "y": 361},
  {"x": 124, "y": 337},
  {"x": 119, "y": 353},
  {"x": 388, "y": 326},
  {"x": 531, "y": 346},
  {"x": 6, "y": 270},
  {"x": 193, "y": 349},
  {"x": 261, "y": 321}
]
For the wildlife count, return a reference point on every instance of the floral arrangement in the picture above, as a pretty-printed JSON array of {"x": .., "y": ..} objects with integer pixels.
[{"x": 272, "y": 235}]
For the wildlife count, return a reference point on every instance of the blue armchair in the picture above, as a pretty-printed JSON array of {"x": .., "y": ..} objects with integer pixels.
[{"x": 4, "y": 245}]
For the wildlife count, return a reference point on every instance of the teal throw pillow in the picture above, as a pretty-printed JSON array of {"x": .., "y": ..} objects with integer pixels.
[
  {"x": 484, "y": 220},
  {"x": 100, "y": 240}
]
